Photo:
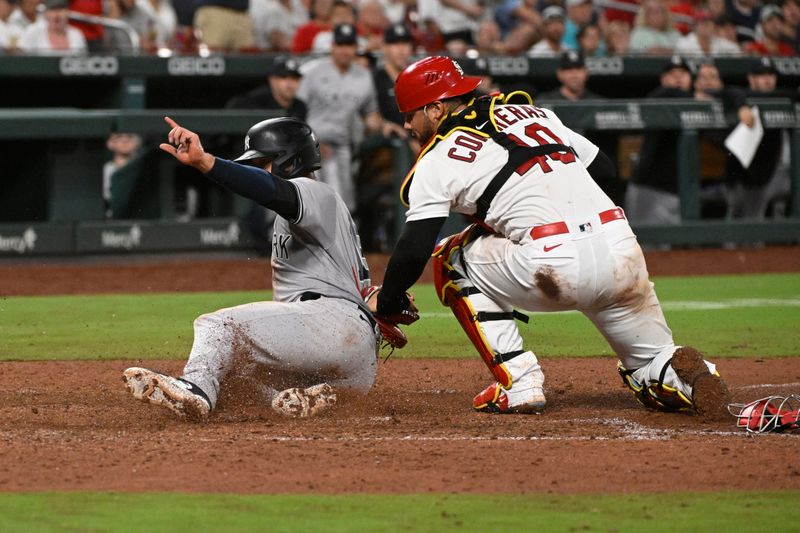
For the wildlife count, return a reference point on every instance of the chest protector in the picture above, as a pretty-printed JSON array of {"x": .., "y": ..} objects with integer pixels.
[{"x": 478, "y": 118}]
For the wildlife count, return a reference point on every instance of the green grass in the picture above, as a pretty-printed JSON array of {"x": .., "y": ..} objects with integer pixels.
[
  {"x": 726, "y": 316},
  {"x": 732, "y": 511}
]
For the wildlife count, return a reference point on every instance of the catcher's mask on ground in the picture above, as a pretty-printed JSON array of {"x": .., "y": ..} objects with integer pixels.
[
  {"x": 772, "y": 414},
  {"x": 290, "y": 144},
  {"x": 431, "y": 79}
]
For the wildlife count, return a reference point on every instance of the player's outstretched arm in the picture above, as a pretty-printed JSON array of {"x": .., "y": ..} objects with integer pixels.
[
  {"x": 184, "y": 145},
  {"x": 250, "y": 182}
]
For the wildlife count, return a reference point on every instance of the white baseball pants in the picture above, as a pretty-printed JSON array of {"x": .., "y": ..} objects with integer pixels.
[{"x": 598, "y": 269}]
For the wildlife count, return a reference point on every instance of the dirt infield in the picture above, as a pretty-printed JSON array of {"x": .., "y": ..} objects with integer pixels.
[{"x": 73, "y": 426}]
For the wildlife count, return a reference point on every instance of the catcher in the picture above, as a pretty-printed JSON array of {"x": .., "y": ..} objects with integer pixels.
[
  {"x": 318, "y": 335},
  {"x": 545, "y": 238}
]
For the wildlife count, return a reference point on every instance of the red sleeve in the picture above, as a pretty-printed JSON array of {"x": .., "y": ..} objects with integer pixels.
[
  {"x": 92, "y": 32},
  {"x": 304, "y": 37},
  {"x": 617, "y": 14}
]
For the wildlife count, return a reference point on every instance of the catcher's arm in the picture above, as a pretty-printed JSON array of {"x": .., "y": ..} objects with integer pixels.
[{"x": 411, "y": 254}]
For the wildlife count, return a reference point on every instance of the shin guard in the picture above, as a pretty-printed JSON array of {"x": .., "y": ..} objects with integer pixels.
[{"x": 454, "y": 296}]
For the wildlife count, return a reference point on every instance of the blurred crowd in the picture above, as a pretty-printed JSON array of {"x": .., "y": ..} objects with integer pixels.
[{"x": 457, "y": 27}]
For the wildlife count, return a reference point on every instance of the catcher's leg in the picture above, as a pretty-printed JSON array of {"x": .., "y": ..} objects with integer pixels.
[
  {"x": 491, "y": 329},
  {"x": 661, "y": 375}
]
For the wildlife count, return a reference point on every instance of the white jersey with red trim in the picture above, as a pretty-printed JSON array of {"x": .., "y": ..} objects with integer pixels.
[{"x": 549, "y": 188}]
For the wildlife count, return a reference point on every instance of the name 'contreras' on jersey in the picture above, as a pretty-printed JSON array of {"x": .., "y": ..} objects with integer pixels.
[
  {"x": 455, "y": 172},
  {"x": 320, "y": 251}
]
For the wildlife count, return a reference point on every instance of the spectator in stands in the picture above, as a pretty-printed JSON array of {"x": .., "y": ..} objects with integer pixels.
[
  {"x": 744, "y": 14},
  {"x": 55, "y": 36},
  {"x": 456, "y": 20},
  {"x": 396, "y": 10},
  {"x": 579, "y": 13},
  {"x": 717, "y": 8},
  {"x": 488, "y": 40},
  {"x": 275, "y": 22},
  {"x": 123, "y": 146},
  {"x": 5, "y": 33},
  {"x": 573, "y": 75},
  {"x": 186, "y": 42},
  {"x": 372, "y": 23},
  {"x": 553, "y": 32},
  {"x": 320, "y": 21},
  {"x": 164, "y": 19},
  {"x": 752, "y": 189},
  {"x": 590, "y": 41},
  {"x": 224, "y": 25},
  {"x": 25, "y": 14},
  {"x": 520, "y": 24},
  {"x": 791, "y": 26},
  {"x": 338, "y": 92},
  {"x": 654, "y": 32},
  {"x": 702, "y": 41},
  {"x": 652, "y": 194},
  {"x": 771, "y": 42},
  {"x": 153, "y": 20},
  {"x": 342, "y": 12},
  {"x": 724, "y": 28},
  {"x": 618, "y": 38}
]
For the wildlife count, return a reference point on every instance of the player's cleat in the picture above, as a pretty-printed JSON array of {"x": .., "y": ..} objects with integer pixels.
[
  {"x": 302, "y": 403},
  {"x": 182, "y": 397},
  {"x": 526, "y": 396},
  {"x": 710, "y": 395}
]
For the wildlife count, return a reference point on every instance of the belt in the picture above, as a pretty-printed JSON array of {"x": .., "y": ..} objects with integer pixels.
[
  {"x": 308, "y": 295},
  {"x": 557, "y": 228}
]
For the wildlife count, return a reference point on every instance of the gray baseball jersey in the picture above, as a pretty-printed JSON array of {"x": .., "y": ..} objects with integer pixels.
[
  {"x": 334, "y": 99},
  {"x": 327, "y": 338},
  {"x": 319, "y": 252}
]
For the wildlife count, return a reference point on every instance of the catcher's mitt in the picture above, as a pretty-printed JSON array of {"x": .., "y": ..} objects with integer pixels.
[
  {"x": 387, "y": 325},
  {"x": 772, "y": 414}
]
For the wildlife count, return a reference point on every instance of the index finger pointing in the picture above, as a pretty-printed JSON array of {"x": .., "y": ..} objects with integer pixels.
[{"x": 171, "y": 122}]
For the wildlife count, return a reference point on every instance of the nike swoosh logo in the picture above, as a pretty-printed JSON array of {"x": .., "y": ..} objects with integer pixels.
[
  {"x": 482, "y": 125},
  {"x": 548, "y": 248}
]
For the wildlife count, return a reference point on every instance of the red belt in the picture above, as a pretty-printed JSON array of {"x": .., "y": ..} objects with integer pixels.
[{"x": 557, "y": 228}]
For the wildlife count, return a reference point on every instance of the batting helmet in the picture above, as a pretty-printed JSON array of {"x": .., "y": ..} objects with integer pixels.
[
  {"x": 289, "y": 142},
  {"x": 431, "y": 79}
]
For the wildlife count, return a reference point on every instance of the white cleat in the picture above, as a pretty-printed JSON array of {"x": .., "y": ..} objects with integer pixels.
[
  {"x": 182, "y": 397},
  {"x": 302, "y": 403},
  {"x": 526, "y": 396}
]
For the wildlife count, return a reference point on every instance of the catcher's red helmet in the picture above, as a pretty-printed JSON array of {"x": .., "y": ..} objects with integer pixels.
[{"x": 431, "y": 79}]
